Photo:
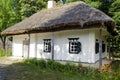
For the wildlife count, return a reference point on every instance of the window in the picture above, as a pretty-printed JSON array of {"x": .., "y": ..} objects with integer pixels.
[
  {"x": 47, "y": 45},
  {"x": 103, "y": 47},
  {"x": 74, "y": 45},
  {"x": 96, "y": 46}
]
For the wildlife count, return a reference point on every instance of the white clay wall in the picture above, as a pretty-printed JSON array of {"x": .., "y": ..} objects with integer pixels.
[
  {"x": 17, "y": 45},
  {"x": 61, "y": 45},
  {"x": 87, "y": 37}
]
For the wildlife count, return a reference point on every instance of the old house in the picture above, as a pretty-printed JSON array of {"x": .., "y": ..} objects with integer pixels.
[{"x": 71, "y": 32}]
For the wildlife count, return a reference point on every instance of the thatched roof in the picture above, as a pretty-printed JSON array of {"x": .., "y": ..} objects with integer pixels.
[{"x": 77, "y": 15}]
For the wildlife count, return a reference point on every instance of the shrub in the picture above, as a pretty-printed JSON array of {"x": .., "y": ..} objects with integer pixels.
[
  {"x": 3, "y": 53},
  {"x": 52, "y": 65},
  {"x": 36, "y": 63},
  {"x": 68, "y": 68}
]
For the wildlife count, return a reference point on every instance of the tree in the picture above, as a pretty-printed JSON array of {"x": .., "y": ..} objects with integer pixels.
[
  {"x": 72, "y": 0},
  {"x": 29, "y": 7},
  {"x": 114, "y": 12},
  {"x": 7, "y": 17},
  {"x": 13, "y": 11},
  {"x": 94, "y": 3}
]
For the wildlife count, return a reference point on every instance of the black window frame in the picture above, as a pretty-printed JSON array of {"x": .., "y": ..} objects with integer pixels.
[
  {"x": 47, "y": 45},
  {"x": 74, "y": 46},
  {"x": 103, "y": 47},
  {"x": 97, "y": 47}
]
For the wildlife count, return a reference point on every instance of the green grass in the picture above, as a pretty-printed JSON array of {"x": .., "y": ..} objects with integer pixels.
[
  {"x": 33, "y": 69},
  {"x": 3, "y": 53},
  {"x": 27, "y": 72}
]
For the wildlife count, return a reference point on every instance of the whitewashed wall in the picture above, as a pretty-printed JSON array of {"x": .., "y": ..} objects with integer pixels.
[
  {"x": 17, "y": 45},
  {"x": 62, "y": 42},
  {"x": 61, "y": 45},
  {"x": 40, "y": 45}
]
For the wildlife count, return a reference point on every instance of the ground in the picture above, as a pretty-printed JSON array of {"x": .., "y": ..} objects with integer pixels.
[
  {"x": 5, "y": 62},
  {"x": 12, "y": 69}
]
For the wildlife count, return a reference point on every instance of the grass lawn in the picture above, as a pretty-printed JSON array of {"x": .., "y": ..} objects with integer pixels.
[
  {"x": 20, "y": 71},
  {"x": 32, "y": 70}
]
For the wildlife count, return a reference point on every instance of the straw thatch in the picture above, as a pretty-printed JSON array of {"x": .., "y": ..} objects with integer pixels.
[{"x": 77, "y": 15}]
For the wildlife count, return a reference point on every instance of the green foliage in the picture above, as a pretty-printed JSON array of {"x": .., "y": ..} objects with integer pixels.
[
  {"x": 72, "y": 71},
  {"x": 105, "y": 5},
  {"x": 7, "y": 17},
  {"x": 114, "y": 11},
  {"x": 3, "y": 53},
  {"x": 29, "y": 7},
  {"x": 53, "y": 65},
  {"x": 13, "y": 11},
  {"x": 72, "y": 0},
  {"x": 6, "y": 14},
  {"x": 94, "y": 3}
]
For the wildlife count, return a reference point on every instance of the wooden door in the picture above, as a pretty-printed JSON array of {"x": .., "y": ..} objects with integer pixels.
[{"x": 25, "y": 48}]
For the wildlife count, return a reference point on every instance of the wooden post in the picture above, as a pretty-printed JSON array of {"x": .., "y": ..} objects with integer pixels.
[
  {"x": 28, "y": 45},
  {"x": 6, "y": 44},
  {"x": 112, "y": 49},
  {"x": 52, "y": 48},
  {"x": 35, "y": 45},
  {"x": 100, "y": 48},
  {"x": 109, "y": 47}
]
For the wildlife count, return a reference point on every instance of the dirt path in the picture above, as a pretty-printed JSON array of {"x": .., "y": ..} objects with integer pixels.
[
  {"x": 2, "y": 73},
  {"x": 4, "y": 62}
]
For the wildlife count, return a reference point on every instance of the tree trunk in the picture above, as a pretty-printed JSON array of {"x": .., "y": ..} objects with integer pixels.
[
  {"x": 4, "y": 45},
  {"x": 3, "y": 40}
]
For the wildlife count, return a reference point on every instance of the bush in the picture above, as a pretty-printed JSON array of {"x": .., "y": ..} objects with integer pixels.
[
  {"x": 36, "y": 63},
  {"x": 68, "y": 68},
  {"x": 3, "y": 53},
  {"x": 52, "y": 65}
]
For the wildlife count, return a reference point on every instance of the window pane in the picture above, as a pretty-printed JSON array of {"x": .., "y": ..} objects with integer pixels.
[
  {"x": 103, "y": 48},
  {"x": 47, "y": 45},
  {"x": 97, "y": 47},
  {"x": 74, "y": 46}
]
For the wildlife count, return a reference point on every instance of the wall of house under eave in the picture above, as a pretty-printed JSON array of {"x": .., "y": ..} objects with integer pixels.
[
  {"x": 61, "y": 45},
  {"x": 17, "y": 45},
  {"x": 104, "y": 34}
]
